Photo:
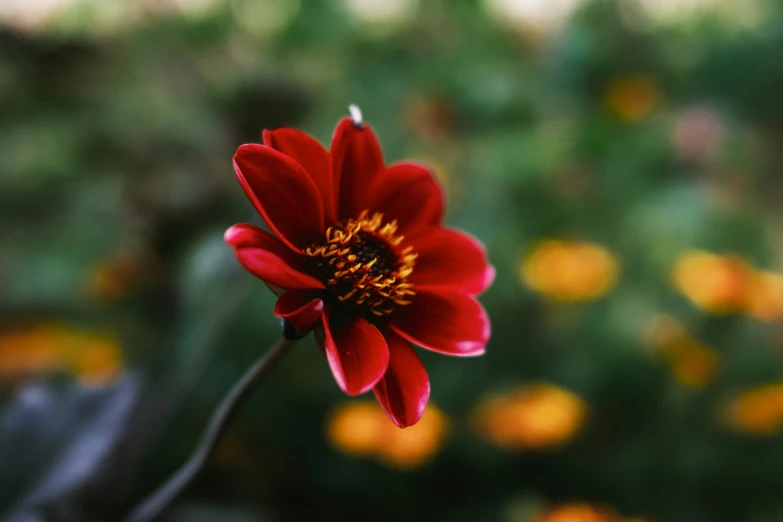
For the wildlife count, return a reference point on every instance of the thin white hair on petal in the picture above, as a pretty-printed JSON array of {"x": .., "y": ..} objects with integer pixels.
[{"x": 356, "y": 114}]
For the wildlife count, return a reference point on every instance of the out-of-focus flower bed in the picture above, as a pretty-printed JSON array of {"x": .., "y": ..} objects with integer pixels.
[{"x": 620, "y": 159}]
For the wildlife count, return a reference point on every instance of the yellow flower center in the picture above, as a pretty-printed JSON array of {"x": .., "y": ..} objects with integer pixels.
[{"x": 360, "y": 262}]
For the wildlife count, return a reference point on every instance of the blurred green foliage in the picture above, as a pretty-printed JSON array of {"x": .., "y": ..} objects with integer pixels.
[{"x": 116, "y": 186}]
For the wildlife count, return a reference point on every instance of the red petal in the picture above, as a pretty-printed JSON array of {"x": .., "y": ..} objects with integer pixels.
[
  {"x": 314, "y": 159},
  {"x": 356, "y": 351},
  {"x": 356, "y": 161},
  {"x": 444, "y": 321},
  {"x": 405, "y": 388},
  {"x": 451, "y": 258},
  {"x": 283, "y": 194},
  {"x": 302, "y": 308},
  {"x": 267, "y": 258},
  {"x": 408, "y": 192}
]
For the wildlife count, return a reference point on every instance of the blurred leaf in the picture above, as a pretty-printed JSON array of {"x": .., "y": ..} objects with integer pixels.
[
  {"x": 55, "y": 444},
  {"x": 209, "y": 513}
]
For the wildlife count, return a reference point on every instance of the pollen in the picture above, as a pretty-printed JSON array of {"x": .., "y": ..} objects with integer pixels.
[{"x": 361, "y": 261}]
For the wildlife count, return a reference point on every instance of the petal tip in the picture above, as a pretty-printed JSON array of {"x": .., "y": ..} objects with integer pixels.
[
  {"x": 475, "y": 350},
  {"x": 407, "y": 422},
  {"x": 302, "y": 308},
  {"x": 357, "y": 353},
  {"x": 243, "y": 149},
  {"x": 242, "y": 235},
  {"x": 230, "y": 235},
  {"x": 489, "y": 277}
]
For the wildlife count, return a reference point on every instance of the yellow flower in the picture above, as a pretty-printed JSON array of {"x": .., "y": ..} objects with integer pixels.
[
  {"x": 765, "y": 296},
  {"x": 569, "y": 271},
  {"x": 717, "y": 284},
  {"x": 578, "y": 513},
  {"x": 725, "y": 284},
  {"x": 534, "y": 416},
  {"x": 632, "y": 98},
  {"x": 93, "y": 358},
  {"x": 692, "y": 363},
  {"x": 361, "y": 428},
  {"x": 758, "y": 411}
]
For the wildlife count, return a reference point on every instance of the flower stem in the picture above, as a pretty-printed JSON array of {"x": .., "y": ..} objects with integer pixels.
[{"x": 218, "y": 424}]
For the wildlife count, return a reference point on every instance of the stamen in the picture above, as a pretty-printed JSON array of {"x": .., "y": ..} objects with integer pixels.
[{"x": 359, "y": 262}]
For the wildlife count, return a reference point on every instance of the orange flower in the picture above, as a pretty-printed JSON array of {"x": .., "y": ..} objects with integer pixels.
[
  {"x": 578, "y": 513},
  {"x": 94, "y": 359},
  {"x": 534, "y": 416},
  {"x": 717, "y": 284},
  {"x": 108, "y": 282},
  {"x": 582, "y": 512},
  {"x": 632, "y": 98},
  {"x": 692, "y": 363},
  {"x": 569, "y": 271},
  {"x": 725, "y": 284},
  {"x": 758, "y": 411},
  {"x": 415, "y": 445},
  {"x": 29, "y": 352},
  {"x": 356, "y": 427},
  {"x": 115, "y": 277},
  {"x": 361, "y": 429},
  {"x": 765, "y": 296}
]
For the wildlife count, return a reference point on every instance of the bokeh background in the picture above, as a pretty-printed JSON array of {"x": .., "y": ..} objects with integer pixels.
[{"x": 621, "y": 160}]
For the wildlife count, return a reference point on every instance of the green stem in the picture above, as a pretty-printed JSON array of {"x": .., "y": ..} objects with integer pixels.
[{"x": 218, "y": 424}]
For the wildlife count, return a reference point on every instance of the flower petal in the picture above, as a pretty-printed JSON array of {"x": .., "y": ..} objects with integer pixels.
[
  {"x": 302, "y": 308},
  {"x": 357, "y": 352},
  {"x": 357, "y": 160},
  {"x": 408, "y": 192},
  {"x": 282, "y": 192},
  {"x": 267, "y": 258},
  {"x": 314, "y": 159},
  {"x": 451, "y": 258},
  {"x": 404, "y": 390},
  {"x": 444, "y": 321}
]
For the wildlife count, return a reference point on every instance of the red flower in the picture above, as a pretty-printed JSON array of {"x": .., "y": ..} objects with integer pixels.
[{"x": 358, "y": 251}]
